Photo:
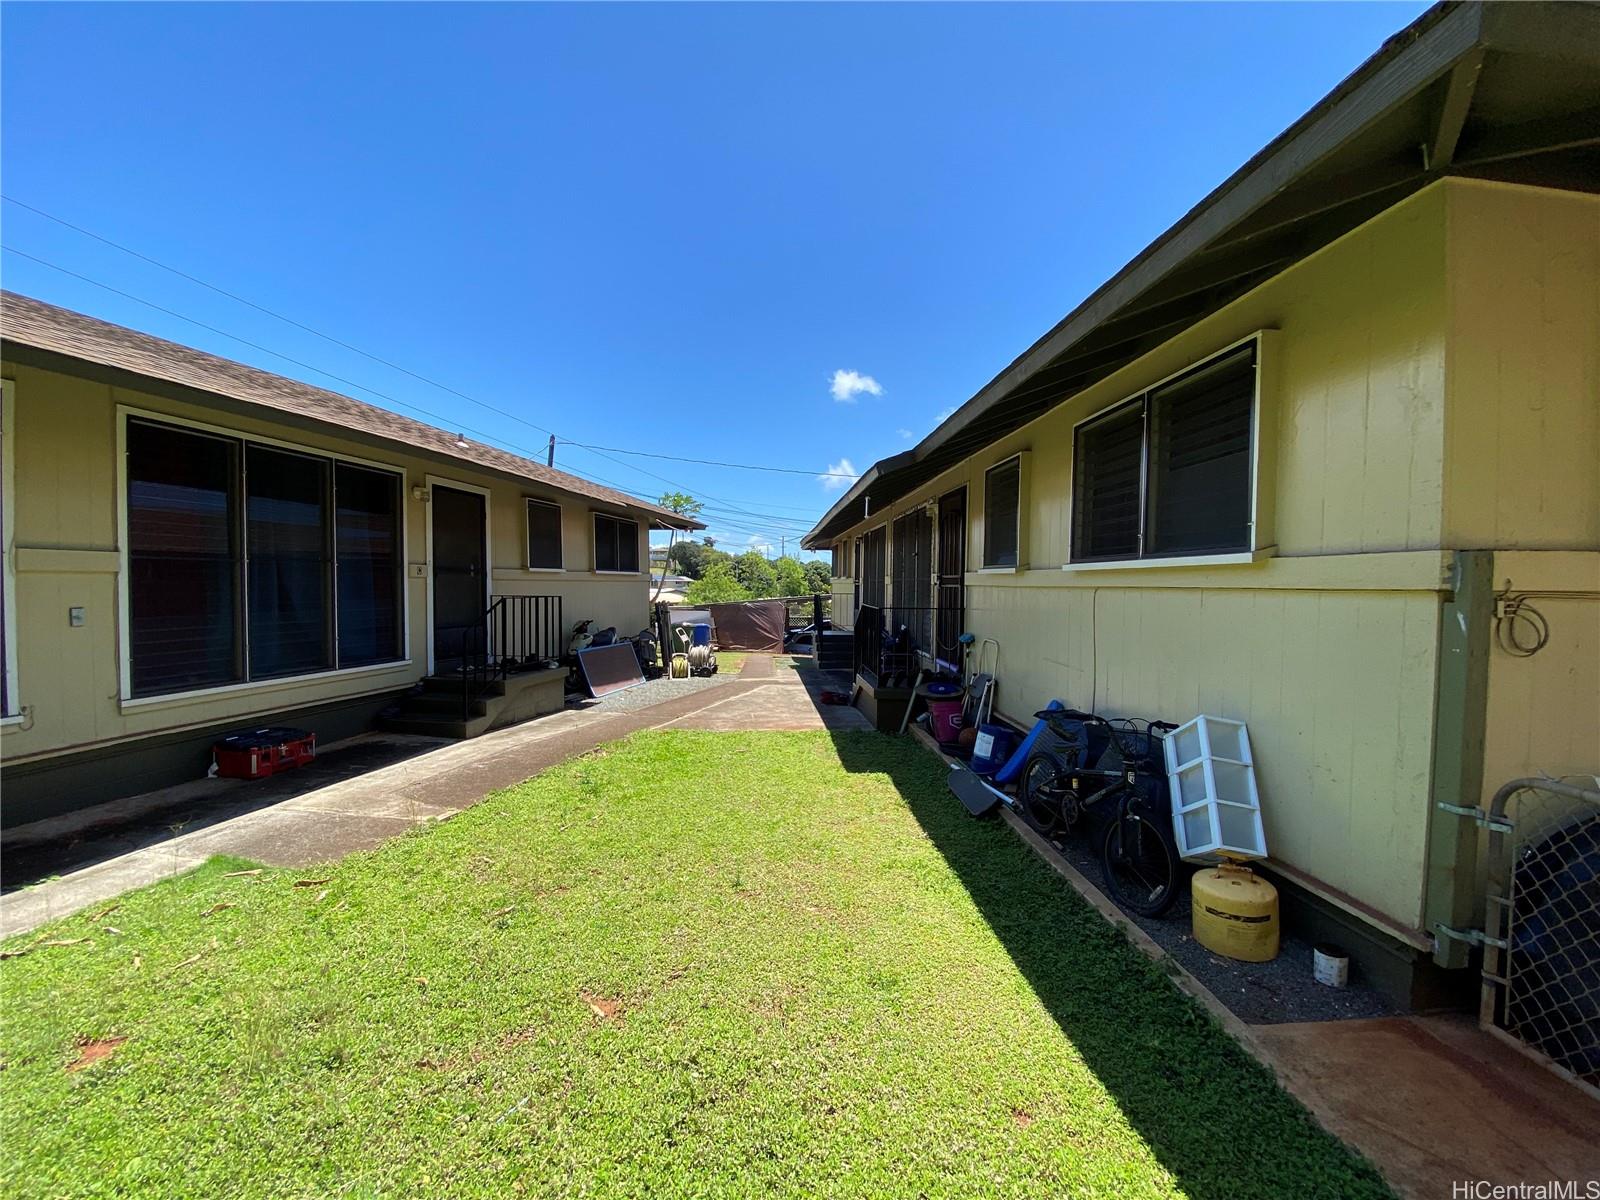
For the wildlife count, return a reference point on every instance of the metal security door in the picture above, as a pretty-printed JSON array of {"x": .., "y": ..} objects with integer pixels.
[
  {"x": 460, "y": 572},
  {"x": 952, "y": 599}
]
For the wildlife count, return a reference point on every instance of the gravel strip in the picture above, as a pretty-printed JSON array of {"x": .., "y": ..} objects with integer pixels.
[
  {"x": 1269, "y": 993},
  {"x": 654, "y": 691}
]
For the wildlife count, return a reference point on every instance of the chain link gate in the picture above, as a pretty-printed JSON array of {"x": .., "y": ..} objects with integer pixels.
[{"x": 1541, "y": 949}]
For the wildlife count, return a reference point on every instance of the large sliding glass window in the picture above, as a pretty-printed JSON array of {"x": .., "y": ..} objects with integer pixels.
[
  {"x": 369, "y": 565},
  {"x": 291, "y": 562},
  {"x": 251, "y": 562},
  {"x": 183, "y": 560}
]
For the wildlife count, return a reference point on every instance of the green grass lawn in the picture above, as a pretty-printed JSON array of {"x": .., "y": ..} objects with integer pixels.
[{"x": 693, "y": 964}]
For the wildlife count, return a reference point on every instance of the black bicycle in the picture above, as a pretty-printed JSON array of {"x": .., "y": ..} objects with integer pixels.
[{"x": 1094, "y": 765}]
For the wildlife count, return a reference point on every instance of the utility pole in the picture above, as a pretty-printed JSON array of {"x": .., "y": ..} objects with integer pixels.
[{"x": 550, "y": 459}]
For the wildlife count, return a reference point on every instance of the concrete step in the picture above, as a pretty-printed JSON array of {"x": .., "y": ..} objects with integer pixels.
[
  {"x": 438, "y": 725},
  {"x": 452, "y": 684},
  {"x": 447, "y": 704}
]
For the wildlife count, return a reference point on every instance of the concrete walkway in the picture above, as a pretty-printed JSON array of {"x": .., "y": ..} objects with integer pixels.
[
  {"x": 1428, "y": 1100},
  {"x": 361, "y": 812}
]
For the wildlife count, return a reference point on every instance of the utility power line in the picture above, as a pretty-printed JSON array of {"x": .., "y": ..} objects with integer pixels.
[
  {"x": 393, "y": 366},
  {"x": 448, "y": 422}
]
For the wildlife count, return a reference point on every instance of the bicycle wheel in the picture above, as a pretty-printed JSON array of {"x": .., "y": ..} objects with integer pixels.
[
  {"x": 1140, "y": 862},
  {"x": 1043, "y": 780}
]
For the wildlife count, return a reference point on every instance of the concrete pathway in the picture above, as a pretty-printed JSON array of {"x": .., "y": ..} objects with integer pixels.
[
  {"x": 361, "y": 812},
  {"x": 1428, "y": 1100},
  {"x": 1435, "y": 1100}
]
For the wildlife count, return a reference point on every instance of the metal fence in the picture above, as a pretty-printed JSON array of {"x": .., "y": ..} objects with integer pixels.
[{"x": 1541, "y": 962}]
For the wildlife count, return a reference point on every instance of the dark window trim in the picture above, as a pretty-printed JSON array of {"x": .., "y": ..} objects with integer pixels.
[
  {"x": 985, "y": 562},
  {"x": 594, "y": 544},
  {"x": 127, "y": 697},
  {"x": 527, "y": 533},
  {"x": 1141, "y": 401}
]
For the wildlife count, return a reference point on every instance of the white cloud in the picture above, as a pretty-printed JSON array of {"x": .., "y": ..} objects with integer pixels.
[
  {"x": 759, "y": 544},
  {"x": 906, "y": 434},
  {"x": 944, "y": 415},
  {"x": 847, "y": 385},
  {"x": 835, "y": 480}
]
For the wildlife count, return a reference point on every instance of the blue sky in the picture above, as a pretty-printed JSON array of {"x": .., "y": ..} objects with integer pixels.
[{"x": 678, "y": 229}]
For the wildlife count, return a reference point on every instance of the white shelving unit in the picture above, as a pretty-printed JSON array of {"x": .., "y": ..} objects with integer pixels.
[{"x": 1216, "y": 810}]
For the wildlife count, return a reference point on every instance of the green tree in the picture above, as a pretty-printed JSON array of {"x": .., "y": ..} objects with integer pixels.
[
  {"x": 819, "y": 577},
  {"x": 755, "y": 575},
  {"x": 682, "y": 503},
  {"x": 717, "y": 586},
  {"x": 685, "y": 505},
  {"x": 791, "y": 575}
]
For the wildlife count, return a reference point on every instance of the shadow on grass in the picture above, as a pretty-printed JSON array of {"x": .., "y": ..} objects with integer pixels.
[{"x": 1214, "y": 1116}]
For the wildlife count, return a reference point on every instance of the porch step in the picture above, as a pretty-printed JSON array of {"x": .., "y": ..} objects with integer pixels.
[
  {"x": 435, "y": 709},
  {"x": 447, "y": 704},
  {"x": 438, "y": 725},
  {"x": 836, "y": 650},
  {"x": 451, "y": 685}
]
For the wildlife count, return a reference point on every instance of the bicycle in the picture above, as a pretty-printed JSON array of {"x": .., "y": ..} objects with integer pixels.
[{"x": 1093, "y": 763}]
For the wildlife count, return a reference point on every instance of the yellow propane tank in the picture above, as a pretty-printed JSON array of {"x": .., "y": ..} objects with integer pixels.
[{"x": 1236, "y": 913}]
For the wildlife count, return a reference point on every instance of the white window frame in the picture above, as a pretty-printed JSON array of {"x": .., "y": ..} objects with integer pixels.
[
  {"x": 527, "y": 534},
  {"x": 8, "y": 498},
  {"x": 984, "y": 566},
  {"x": 594, "y": 543},
  {"x": 1262, "y": 428},
  {"x": 125, "y": 697}
]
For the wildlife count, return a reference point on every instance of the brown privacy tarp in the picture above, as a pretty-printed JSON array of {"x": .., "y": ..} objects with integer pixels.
[{"x": 748, "y": 625}]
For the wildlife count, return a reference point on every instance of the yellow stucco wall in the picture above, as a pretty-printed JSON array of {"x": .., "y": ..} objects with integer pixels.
[
  {"x": 1328, "y": 648},
  {"x": 66, "y": 542},
  {"x": 1522, "y": 460},
  {"x": 1523, "y": 457}
]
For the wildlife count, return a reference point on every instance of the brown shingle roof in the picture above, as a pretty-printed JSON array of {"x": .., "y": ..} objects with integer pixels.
[{"x": 29, "y": 322}]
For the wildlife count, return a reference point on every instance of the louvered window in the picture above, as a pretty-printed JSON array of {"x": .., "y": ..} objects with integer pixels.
[
  {"x": 544, "y": 535},
  {"x": 1002, "y": 499},
  {"x": 1168, "y": 474}
]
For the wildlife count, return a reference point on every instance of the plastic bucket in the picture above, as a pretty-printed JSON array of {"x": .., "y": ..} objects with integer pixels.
[
  {"x": 992, "y": 748},
  {"x": 700, "y": 634},
  {"x": 945, "y": 717}
]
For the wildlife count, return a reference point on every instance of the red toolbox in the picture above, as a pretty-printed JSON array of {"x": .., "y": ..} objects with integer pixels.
[{"x": 257, "y": 753}]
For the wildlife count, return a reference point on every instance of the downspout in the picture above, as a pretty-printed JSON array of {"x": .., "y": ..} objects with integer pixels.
[{"x": 1461, "y": 701}]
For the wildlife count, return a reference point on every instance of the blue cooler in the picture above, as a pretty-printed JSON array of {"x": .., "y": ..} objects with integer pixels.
[
  {"x": 700, "y": 634},
  {"x": 992, "y": 747}
]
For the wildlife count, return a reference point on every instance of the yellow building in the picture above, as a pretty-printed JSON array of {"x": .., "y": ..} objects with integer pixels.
[
  {"x": 192, "y": 546},
  {"x": 1296, "y": 464}
]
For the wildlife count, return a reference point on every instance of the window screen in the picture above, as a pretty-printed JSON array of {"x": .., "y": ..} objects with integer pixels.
[
  {"x": 1200, "y": 459},
  {"x": 1106, "y": 505},
  {"x": 1002, "y": 494},
  {"x": 183, "y": 559},
  {"x": 367, "y": 543},
  {"x": 290, "y": 602},
  {"x": 616, "y": 544},
  {"x": 544, "y": 535}
]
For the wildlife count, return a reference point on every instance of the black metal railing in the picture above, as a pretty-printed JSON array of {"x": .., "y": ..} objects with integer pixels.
[
  {"x": 868, "y": 642},
  {"x": 893, "y": 643},
  {"x": 517, "y": 633}
]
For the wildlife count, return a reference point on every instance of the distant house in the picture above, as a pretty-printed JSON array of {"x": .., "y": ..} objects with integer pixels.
[
  {"x": 192, "y": 545},
  {"x": 1296, "y": 463}
]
